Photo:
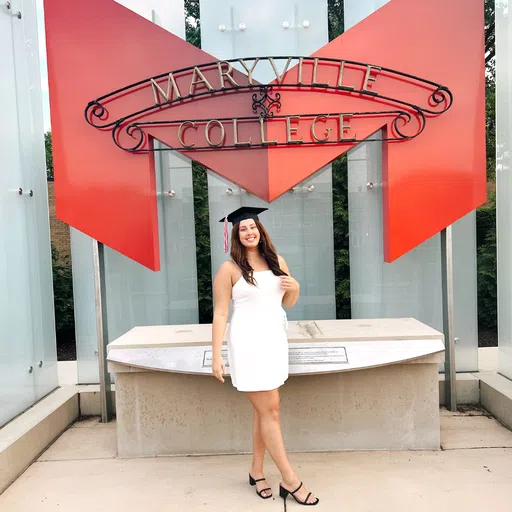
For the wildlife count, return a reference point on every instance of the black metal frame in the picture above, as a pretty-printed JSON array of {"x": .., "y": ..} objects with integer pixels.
[
  {"x": 266, "y": 102},
  {"x": 398, "y": 115},
  {"x": 96, "y": 111}
]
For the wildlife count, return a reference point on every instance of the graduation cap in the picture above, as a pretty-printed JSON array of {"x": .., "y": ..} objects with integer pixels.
[
  {"x": 243, "y": 213},
  {"x": 246, "y": 212}
]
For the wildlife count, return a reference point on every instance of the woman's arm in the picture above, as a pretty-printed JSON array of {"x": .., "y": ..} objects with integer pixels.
[
  {"x": 290, "y": 285},
  {"x": 221, "y": 296}
]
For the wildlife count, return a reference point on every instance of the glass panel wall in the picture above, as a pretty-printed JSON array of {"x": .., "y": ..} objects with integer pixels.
[
  {"x": 33, "y": 162},
  {"x": 410, "y": 286},
  {"x": 28, "y": 368},
  {"x": 504, "y": 183},
  {"x": 136, "y": 295},
  {"x": 298, "y": 227},
  {"x": 299, "y": 222}
]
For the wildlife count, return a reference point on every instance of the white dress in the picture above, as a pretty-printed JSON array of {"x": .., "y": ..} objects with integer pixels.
[{"x": 257, "y": 340}]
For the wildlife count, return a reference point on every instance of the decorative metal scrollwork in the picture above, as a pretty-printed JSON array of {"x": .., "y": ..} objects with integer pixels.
[
  {"x": 266, "y": 102},
  {"x": 403, "y": 126},
  {"x": 406, "y": 121}
]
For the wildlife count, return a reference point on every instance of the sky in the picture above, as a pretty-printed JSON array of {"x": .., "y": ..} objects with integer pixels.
[{"x": 44, "y": 69}]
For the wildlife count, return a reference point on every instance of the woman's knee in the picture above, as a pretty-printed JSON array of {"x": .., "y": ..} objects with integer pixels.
[
  {"x": 268, "y": 406},
  {"x": 273, "y": 411}
]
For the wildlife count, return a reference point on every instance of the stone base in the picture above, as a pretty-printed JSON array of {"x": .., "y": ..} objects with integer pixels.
[
  {"x": 392, "y": 407},
  {"x": 25, "y": 437},
  {"x": 496, "y": 396}
]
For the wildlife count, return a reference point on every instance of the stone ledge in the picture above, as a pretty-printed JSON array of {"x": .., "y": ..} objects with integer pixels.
[
  {"x": 27, "y": 436},
  {"x": 468, "y": 389},
  {"x": 90, "y": 400},
  {"x": 496, "y": 396}
]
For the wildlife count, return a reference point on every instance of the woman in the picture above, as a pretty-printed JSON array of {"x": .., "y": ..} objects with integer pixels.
[{"x": 259, "y": 283}]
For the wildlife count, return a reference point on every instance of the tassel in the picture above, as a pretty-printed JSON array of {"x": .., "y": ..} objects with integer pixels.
[{"x": 226, "y": 248}]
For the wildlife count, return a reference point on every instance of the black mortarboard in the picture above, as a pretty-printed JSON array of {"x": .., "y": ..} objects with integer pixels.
[{"x": 246, "y": 212}]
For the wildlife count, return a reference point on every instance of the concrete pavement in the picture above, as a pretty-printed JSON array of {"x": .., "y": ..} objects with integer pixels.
[{"x": 80, "y": 472}]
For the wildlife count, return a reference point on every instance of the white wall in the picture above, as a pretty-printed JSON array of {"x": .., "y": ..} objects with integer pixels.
[{"x": 504, "y": 183}]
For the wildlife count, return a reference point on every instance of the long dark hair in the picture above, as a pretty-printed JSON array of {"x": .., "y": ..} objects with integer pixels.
[{"x": 266, "y": 248}]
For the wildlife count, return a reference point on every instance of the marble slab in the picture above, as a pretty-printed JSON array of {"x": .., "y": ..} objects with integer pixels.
[
  {"x": 316, "y": 357},
  {"x": 298, "y": 331}
]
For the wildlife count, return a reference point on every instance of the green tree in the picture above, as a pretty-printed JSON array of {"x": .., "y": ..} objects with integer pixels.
[
  {"x": 336, "y": 22},
  {"x": 335, "y": 18},
  {"x": 486, "y": 264},
  {"x": 192, "y": 22},
  {"x": 61, "y": 268},
  {"x": 63, "y": 293},
  {"x": 490, "y": 41},
  {"x": 341, "y": 236},
  {"x": 490, "y": 83},
  {"x": 200, "y": 186},
  {"x": 49, "y": 154},
  {"x": 203, "y": 248},
  {"x": 486, "y": 215}
]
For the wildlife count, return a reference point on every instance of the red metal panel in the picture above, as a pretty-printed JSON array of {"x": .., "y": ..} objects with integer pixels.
[
  {"x": 437, "y": 178},
  {"x": 429, "y": 182}
]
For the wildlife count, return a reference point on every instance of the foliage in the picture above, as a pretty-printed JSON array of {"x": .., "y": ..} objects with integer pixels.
[
  {"x": 192, "y": 23},
  {"x": 340, "y": 195},
  {"x": 61, "y": 268},
  {"x": 203, "y": 253},
  {"x": 486, "y": 215},
  {"x": 486, "y": 262},
  {"x": 49, "y": 155},
  {"x": 62, "y": 292},
  {"x": 335, "y": 18},
  {"x": 341, "y": 247},
  {"x": 200, "y": 186},
  {"x": 490, "y": 82},
  {"x": 490, "y": 41},
  {"x": 490, "y": 123}
]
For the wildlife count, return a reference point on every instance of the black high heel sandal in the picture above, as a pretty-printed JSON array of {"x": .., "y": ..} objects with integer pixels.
[
  {"x": 254, "y": 482},
  {"x": 284, "y": 494}
]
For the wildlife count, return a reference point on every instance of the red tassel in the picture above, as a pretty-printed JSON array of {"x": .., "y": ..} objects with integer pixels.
[{"x": 226, "y": 248}]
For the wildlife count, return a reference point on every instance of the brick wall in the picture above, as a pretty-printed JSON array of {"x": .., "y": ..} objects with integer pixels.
[{"x": 59, "y": 231}]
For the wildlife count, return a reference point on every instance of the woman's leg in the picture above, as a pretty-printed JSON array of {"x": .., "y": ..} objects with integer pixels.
[
  {"x": 267, "y": 405},
  {"x": 258, "y": 446},
  {"x": 258, "y": 454}
]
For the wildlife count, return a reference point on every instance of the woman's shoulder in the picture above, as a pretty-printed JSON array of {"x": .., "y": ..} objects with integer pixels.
[
  {"x": 228, "y": 268},
  {"x": 282, "y": 263},
  {"x": 228, "y": 272}
]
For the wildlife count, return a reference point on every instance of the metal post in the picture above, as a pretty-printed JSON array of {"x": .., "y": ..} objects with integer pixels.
[
  {"x": 449, "y": 339},
  {"x": 101, "y": 328}
]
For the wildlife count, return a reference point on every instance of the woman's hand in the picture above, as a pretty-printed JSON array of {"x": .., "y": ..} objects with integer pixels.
[
  {"x": 289, "y": 284},
  {"x": 218, "y": 368}
]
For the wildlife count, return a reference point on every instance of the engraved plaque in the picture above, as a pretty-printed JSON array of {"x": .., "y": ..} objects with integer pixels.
[
  {"x": 318, "y": 355},
  {"x": 208, "y": 357},
  {"x": 333, "y": 354}
]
